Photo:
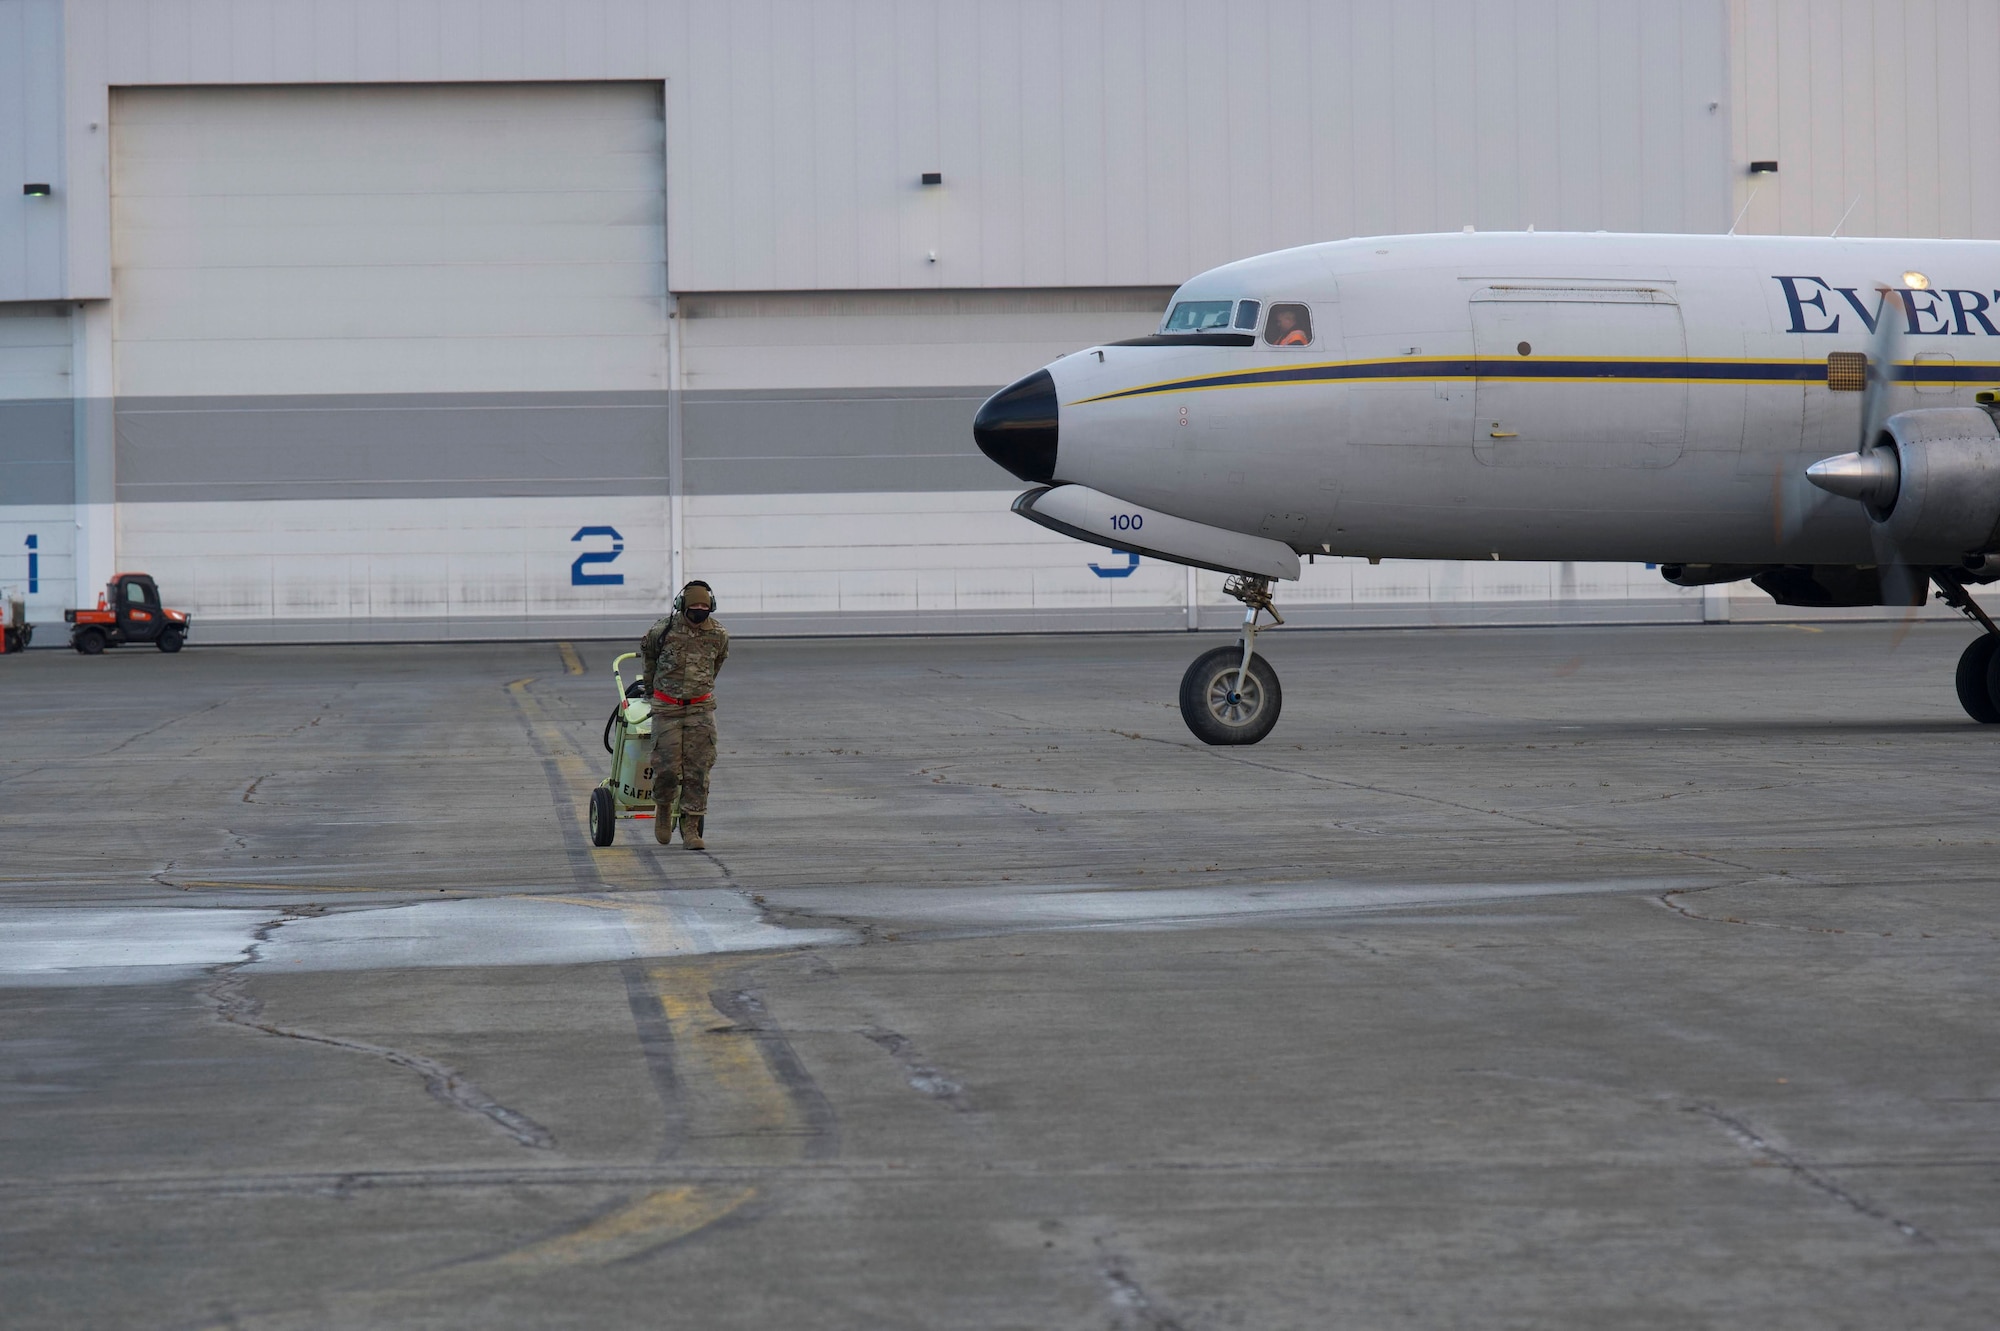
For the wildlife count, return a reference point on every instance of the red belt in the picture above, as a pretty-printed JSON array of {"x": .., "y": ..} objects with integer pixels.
[{"x": 681, "y": 702}]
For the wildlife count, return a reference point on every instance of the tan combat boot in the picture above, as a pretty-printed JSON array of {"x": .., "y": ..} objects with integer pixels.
[
  {"x": 663, "y": 826},
  {"x": 691, "y": 831}
]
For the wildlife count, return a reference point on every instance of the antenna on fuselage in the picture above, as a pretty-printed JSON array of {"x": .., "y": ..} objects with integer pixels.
[
  {"x": 1746, "y": 207},
  {"x": 1844, "y": 216}
]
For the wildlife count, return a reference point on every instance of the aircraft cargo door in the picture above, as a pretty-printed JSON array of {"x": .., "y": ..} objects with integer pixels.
[{"x": 1578, "y": 377}]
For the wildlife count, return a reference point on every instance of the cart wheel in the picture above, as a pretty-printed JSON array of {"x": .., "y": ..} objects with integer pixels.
[
  {"x": 603, "y": 817},
  {"x": 90, "y": 642},
  {"x": 170, "y": 641}
]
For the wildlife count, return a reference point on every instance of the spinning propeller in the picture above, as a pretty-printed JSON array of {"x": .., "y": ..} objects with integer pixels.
[{"x": 1873, "y": 473}]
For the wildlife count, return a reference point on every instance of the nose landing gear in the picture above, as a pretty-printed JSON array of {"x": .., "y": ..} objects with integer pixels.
[{"x": 1231, "y": 695}]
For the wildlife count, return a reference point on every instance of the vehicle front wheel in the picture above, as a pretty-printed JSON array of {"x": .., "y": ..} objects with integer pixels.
[
  {"x": 170, "y": 641},
  {"x": 90, "y": 642},
  {"x": 603, "y": 817},
  {"x": 1216, "y": 711}
]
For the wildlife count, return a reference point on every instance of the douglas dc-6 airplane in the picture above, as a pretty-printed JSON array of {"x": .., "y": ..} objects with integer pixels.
[{"x": 1811, "y": 414}]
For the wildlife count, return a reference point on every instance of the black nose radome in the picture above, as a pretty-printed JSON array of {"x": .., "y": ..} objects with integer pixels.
[{"x": 1017, "y": 428}]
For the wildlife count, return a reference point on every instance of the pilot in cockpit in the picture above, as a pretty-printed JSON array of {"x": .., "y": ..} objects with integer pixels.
[{"x": 1290, "y": 326}]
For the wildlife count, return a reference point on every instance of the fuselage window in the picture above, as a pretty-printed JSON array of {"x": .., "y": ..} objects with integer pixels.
[
  {"x": 1198, "y": 316},
  {"x": 1246, "y": 315},
  {"x": 1290, "y": 326}
]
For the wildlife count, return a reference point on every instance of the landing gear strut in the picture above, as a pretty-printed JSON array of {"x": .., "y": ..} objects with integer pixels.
[
  {"x": 1231, "y": 695},
  {"x": 1979, "y": 666}
]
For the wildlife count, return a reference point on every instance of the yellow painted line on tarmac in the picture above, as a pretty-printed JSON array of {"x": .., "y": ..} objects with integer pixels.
[
  {"x": 733, "y": 1108},
  {"x": 736, "y": 1108},
  {"x": 735, "y": 1105},
  {"x": 570, "y": 658},
  {"x": 637, "y": 1227},
  {"x": 555, "y": 745}
]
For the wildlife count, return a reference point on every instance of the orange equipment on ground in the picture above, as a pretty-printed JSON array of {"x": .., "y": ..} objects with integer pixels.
[{"x": 128, "y": 612}]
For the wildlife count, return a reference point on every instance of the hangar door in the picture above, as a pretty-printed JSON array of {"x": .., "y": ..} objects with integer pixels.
[
  {"x": 1578, "y": 377},
  {"x": 435, "y": 312}
]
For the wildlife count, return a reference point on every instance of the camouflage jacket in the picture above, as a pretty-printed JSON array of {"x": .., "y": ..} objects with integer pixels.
[{"x": 683, "y": 659}]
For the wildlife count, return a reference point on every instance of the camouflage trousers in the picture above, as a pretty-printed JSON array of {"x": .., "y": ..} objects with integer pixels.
[{"x": 683, "y": 751}]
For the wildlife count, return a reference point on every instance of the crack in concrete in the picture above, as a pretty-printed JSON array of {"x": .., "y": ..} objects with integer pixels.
[
  {"x": 172, "y": 720},
  {"x": 228, "y": 993},
  {"x": 1135, "y": 1307},
  {"x": 920, "y": 1074},
  {"x": 1667, "y": 899},
  {"x": 1743, "y": 1134},
  {"x": 1752, "y": 1141}
]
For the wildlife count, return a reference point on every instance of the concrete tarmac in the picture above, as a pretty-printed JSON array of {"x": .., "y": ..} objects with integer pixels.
[{"x": 1600, "y": 977}]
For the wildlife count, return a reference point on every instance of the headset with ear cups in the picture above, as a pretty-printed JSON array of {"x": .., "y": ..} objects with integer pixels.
[{"x": 680, "y": 599}]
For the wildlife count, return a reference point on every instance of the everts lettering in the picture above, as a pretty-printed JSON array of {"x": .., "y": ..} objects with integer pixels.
[{"x": 1816, "y": 307}]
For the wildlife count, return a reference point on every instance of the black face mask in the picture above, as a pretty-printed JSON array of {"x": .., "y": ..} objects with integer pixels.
[{"x": 697, "y": 613}]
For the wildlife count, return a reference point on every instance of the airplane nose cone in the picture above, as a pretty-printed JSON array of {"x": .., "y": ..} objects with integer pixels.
[{"x": 1017, "y": 428}]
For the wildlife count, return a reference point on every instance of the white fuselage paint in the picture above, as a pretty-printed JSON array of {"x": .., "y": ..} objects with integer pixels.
[{"x": 1414, "y": 427}]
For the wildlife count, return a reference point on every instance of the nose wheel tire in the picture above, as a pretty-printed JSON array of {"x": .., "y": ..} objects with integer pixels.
[
  {"x": 1216, "y": 711},
  {"x": 1976, "y": 679},
  {"x": 603, "y": 817}
]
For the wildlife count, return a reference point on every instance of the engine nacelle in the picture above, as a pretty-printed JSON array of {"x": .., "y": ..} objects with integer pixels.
[{"x": 1932, "y": 481}]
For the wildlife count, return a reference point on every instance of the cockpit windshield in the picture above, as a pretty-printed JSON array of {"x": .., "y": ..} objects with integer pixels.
[{"x": 1199, "y": 316}]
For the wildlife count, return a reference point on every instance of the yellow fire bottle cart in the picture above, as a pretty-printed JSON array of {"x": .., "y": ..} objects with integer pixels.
[{"x": 628, "y": 738}]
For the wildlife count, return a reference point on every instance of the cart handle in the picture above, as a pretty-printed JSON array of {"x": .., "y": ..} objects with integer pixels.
[{"x": 618, "y": 661}]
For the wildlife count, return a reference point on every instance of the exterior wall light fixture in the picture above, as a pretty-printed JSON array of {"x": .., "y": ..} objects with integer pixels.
[
  {"x": 1764, "y": 168},
  {"x": 934, "y": 177},
  {"x": 37, "y": 190}
]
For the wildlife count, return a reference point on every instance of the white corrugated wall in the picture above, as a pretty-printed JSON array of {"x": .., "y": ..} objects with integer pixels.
[
  {"x": 1093, "y": 154},
  {"x": 1882, "y": 112},
  {"x": 377, "y": 346}
]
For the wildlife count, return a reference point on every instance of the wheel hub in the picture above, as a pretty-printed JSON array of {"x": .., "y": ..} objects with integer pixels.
[{"x": 1230, "y": 707}]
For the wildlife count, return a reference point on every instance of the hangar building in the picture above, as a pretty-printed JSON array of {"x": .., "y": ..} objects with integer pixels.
[{"x": 433, "y": 318}]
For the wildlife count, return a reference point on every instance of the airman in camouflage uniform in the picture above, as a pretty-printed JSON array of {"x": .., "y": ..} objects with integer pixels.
[{"x": 683, "y": 653}]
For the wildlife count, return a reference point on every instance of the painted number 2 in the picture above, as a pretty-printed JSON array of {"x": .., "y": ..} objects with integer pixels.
[{"x": 577, "y": 576}]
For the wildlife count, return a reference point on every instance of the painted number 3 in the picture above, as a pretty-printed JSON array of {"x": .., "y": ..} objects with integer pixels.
[{"x": 1127, "y": 521}]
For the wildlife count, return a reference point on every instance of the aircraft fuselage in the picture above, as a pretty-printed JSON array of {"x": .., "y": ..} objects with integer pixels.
[{"x": 1528, "y": 396}]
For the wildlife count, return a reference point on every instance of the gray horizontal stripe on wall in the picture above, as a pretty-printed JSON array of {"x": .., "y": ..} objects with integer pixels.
[
  {"x": 834, "y": 441},
  {"x": 391, "y": 446},
  {"x": 547, "y": 444},
  {"x": 37, "y": 451}
]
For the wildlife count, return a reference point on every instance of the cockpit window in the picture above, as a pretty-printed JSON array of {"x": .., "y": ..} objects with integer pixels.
[
  {"x": 1290, "y": 326},
  {"x": 1246, "y": 314},
  {"x": 1198, "y": 316}
]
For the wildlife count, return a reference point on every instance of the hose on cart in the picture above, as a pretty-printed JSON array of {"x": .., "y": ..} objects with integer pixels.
[{"x": 636, "y": 689}]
